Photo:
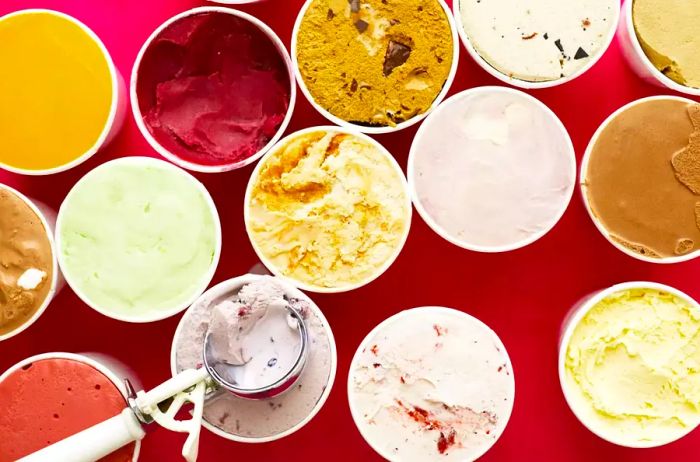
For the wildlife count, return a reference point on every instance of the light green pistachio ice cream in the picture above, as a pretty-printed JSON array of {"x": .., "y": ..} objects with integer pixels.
[{"x": 138, "y": 239}]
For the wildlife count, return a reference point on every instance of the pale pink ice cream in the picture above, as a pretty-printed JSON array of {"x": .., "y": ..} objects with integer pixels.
[
  {"x": 431, "y": 384},
  {"x": 492, "y": 169}
]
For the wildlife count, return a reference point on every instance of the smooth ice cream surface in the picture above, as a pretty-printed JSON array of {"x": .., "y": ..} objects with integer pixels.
[
  {"x": 632, "y": 367},
  {"x": 432, "y": 385},
  {"x": 257, "y": 334},
  {"x": 668, "y": 33},
  {"x": 213, "y": 88},
  {"x": 137, "y": 238},
  {"x": 643, "y": 178},
  {"x": 56, "y": 91},
  {"x": 51, "y": 399},
  {"x": 492, "y": 169},
  {"x": 373, "y": 62},
  {"x": 271, "y": 416},
  {"x": 539, "y": 40},
  {"x": 328, "y": 209},
  {"x": 26, "y": 262}
]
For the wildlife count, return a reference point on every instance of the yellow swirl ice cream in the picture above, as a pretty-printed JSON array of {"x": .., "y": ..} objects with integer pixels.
[
  {"x": 328, "y": 209},
  {"x": 632, "y": 367}
]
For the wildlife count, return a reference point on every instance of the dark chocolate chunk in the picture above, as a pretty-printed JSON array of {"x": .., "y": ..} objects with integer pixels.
[
  {"x": 557, "y": 42},
  {"x": 361, "y": 25},
  {"x": 354, "y": 5},
  {"x": 396, "y": 55},
  {"x": 330, "y": 14},
  {"x": 580, "y": 54}
]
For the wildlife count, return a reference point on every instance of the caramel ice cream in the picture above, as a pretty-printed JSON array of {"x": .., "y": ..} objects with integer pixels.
[
  {"x": 642, "y": 181},
  {"x": 373, "y": 62},
  {"x": 668, "y": 33},
  {"x": 26, "y": 262},
  {"x": 328, "y": 209}
]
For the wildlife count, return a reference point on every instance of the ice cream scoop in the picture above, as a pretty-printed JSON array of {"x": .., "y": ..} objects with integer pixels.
[{"x": 235, "y": 359}]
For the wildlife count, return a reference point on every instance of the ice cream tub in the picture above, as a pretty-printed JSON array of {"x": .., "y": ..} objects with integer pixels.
[
  {"x": 375, "y": 66},
  {"x": 431, "y": 383},
  {"x": 51, "y": 396},
  {"x": 666, "y": 46},
  {"x": 639, "y": 179},
  {"x": 627, "y": 357},
  {"x": 138, "y": 239},
  {"x": 63, "y": 98},
  {"x": 492, "y": 170},
  {"x": 538, "y": 44},
  {"x": 212, "y": 89},
  {"x": 268, "y": 419},
  {"x": 30, "y": 278},
  {"x": 327, "y": 209}
]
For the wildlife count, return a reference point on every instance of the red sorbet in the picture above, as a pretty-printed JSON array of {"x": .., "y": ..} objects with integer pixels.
[
  {"x": 51, "y": 399},
  {"x": 213, "y": 89}
]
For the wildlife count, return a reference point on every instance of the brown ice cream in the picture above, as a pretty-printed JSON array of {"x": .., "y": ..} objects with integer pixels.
[
  {"x": 26, "y": 262},
  {"x": 643, "y": 178}
]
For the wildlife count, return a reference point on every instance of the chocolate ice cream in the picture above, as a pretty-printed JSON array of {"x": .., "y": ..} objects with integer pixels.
[
  {"x": 26, "y": 262},
  {"x": 642, "y": 181}
]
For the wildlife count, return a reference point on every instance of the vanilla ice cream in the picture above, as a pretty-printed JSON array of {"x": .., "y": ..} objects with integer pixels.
[
  {"x": 431, "y": 384},
  {"x": 328, "y": 209},
  {"x": 539, "y": 40},
  {"x": 632, "y": 367}
]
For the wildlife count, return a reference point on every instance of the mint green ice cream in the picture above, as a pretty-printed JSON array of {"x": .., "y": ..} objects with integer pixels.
[{"x": 138, "y": 239}]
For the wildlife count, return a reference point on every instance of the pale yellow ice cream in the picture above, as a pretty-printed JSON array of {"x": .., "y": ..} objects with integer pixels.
[
  {"x": 668, "y": 32},
  {"x": 633, "y": 367},
  {"x": 328, "y": 209}
]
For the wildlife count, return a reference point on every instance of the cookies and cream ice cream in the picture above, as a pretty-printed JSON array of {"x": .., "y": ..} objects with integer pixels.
[
  {"x": 26, "y": 262},
  {"x": 431, "y": 384},
  {"x": 213, "y": 88},
  {"x": 271, "y": 417},
  {"x": 668, "y": 33},
  {"x": 642, "y": 180},
  {"x": 542, "y": 40},
  {"x": 328, "y": 209},
  {"x": 373, "y": 62},
  {"x": 631, "y": 367},
  {"x": 492, "y": 169},
  {"x": 138, "y": 238}
]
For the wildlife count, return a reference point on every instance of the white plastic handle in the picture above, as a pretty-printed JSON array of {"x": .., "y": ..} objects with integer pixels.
[{"x": 94, "y": 443}]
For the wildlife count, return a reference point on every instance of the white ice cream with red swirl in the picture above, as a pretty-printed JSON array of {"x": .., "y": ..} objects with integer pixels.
[{"x": 431, "y": 384}]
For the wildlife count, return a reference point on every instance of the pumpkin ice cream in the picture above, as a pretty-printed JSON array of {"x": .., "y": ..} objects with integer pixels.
[
  {"x": 374, "y": 62},
  {"x": 328, "y": 209}
]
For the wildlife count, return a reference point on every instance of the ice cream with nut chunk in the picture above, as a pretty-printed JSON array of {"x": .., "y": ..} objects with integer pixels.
[{"x": 373, "y": 62}]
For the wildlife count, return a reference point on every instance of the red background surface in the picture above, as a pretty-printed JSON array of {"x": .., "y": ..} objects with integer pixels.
[{"x": 523, "y": 295}]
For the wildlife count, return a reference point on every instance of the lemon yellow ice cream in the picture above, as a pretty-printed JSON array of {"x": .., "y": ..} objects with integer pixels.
[
  {"x": 632, "y": 367},
  {"x": 328, "y": 209}
]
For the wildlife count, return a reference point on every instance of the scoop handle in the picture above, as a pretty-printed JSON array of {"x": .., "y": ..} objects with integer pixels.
[{"x": 93, "y": 443}]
